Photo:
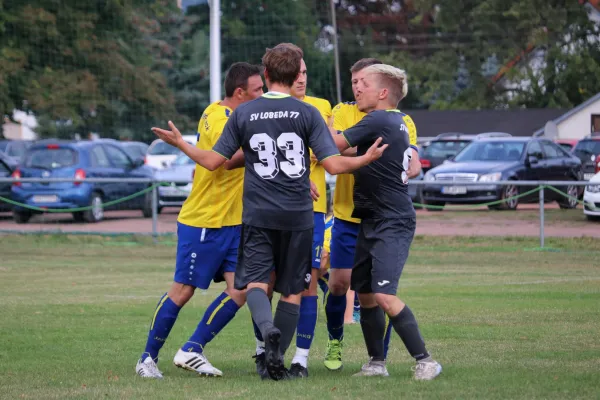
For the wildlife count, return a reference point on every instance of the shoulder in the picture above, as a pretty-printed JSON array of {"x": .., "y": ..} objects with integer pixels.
[
  {"x": 345, "y": 106},
  {"x": 218, "y": 114},
  {"x": 321, "y": 104}
]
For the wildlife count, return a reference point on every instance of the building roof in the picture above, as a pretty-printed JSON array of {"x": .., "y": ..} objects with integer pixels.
[
  {"x": 573, "y": 111},
  {"x": 521, "y": 122}
]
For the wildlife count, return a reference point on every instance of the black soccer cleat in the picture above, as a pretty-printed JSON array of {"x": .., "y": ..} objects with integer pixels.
[
  {"x": 261, "y": 365},
  {"x": 273, "y": 358},
  {"x": 298, "y": 371}
]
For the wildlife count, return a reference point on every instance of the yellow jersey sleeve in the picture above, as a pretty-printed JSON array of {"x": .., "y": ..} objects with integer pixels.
[
  {"x": 216, "y": 197},
  {"x": 412, "y": 129},
  {"x": 339, "y": 114}
]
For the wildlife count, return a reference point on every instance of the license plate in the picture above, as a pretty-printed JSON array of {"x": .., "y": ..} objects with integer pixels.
[
  {"x": 587, "y": 177},
  {"x": 45, "y": 199},
  {"x": 454, "y": 190}
]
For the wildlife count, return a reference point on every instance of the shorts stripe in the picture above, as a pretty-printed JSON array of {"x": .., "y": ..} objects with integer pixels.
[{"x": 203, "y": 234}]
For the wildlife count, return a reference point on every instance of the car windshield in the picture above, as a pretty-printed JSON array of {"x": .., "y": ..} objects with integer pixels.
[
  {"x": 491, "y": 151},
  {"x": 163, "y": 149},
  {"x": 50, "y": 158},
  {"x": 182, "y": 160},
  {"x": 444, "y": 149},
  {"x": 566, "y": 146},
  {"x": 585, "y": 149}
]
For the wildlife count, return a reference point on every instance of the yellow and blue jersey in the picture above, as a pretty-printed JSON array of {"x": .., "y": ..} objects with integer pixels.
[
  {"x": 216, "y": 197},
  {"x": 317, "y": 172},
  {"x": 346, "y": 115}
]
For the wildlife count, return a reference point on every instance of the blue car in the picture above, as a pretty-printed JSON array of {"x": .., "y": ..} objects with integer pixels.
[{"x": 79, "y": 160}]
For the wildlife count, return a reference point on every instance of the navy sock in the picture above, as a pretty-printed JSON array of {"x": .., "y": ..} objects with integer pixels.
[
  {"x": 217, "y": 315},
  {"x": 324, "y": 285},
  {"x": 307, "y": 323},
  {"x": 335, "y": 307},
  {"x": 356, "y": 303},
  {"x": 163, "y": 320}
]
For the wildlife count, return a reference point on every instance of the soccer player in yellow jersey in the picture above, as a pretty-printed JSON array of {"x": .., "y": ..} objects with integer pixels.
[
  {"x": 345, "y": 227},
  {"x": 208, "y": 237}
]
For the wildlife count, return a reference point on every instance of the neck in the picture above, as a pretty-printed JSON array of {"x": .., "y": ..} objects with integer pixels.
[
  {"x": 278, "y": 87},
  {"x": 230, "y": 102}
]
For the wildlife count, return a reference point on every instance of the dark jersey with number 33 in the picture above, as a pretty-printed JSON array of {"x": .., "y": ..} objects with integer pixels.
[
  {"x": 381, "y": 188},
  {"x": 275, "y": 132}
]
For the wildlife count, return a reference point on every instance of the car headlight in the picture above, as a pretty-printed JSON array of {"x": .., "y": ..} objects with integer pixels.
[
  {"x": 593, "y": 189},
  {"x": 496, "y": 176},
  {"x": 429, "y": 176}
]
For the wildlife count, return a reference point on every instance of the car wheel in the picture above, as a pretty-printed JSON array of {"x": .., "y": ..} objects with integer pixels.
[
  {"x": 96, "y": 212},
  {"x": 508, "y": 200},
  {"x": 418, "y": 199},
  {"x": 21, "y": 217},
  {"x": 569, "y": 202},
  {"x": 147, "y": 208}
]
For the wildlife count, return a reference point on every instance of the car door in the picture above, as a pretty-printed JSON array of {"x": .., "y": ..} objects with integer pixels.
[
  {"x": 5, "y": 172},
  {"x": 534, "y": 171},
  {"x": 556, "y": 168},
  {"x": 101, "y": 167},
  {"x": 121, "y": 165}
]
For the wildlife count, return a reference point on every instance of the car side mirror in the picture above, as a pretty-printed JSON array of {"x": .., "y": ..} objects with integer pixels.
[
  {"x": 532, "y": 160},
  {"x": 138, "y": 162}
]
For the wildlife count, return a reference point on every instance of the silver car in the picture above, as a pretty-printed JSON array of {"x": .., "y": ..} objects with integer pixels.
[{"x": 179, "y": 177}]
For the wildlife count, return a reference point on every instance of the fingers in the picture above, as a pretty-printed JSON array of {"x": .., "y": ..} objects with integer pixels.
[{"x": 173, "y": 127}]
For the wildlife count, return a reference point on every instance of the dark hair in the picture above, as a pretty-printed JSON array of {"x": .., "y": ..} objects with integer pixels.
[
  {"x": 364, "y": 63},
  {"x": 282, "y": 63},
  {"x": 237, "y": 76}
]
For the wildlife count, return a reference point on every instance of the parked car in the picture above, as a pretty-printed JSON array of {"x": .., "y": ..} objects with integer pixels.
[
  {"x": 78, "y": 160},
  {"x": 160, "y": 154},
  {"x": 567, "y": 144},
  {"x": 588, "y": 151},
  {"x": 503, "y": 159},
  {"x": 14, "y": 149},
  {"x": 447, "y": 145},
  {"x": 177, "y": 192},
  {"x": 6, "y": 169},
  {"x": 591, "y": 196},
  {"x": 135, "y": 150}
]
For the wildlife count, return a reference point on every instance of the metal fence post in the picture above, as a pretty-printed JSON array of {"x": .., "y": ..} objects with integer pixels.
[
  {"x": 154, "y": 211},
  {"x": 542, "y": 216}
]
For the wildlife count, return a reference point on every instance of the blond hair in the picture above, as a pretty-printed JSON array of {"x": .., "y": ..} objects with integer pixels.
[{"x": 391, "y": 78}]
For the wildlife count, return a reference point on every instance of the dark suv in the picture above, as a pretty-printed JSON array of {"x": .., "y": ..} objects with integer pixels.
[
  {"x": 588, "y": 151},
  {"x": 446, "y": 145},
  {"x": 491, "y": 160}
]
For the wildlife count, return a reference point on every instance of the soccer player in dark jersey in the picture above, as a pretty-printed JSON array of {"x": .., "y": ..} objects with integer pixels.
[
  {"x": 388, "y": 220},
  {"x": 275, "y": 133}
]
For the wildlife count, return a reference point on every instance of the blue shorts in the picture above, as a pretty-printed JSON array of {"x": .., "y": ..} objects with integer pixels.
[
  {"x": 205, "y": 254},
  {"x": 343, "y": 243},
  {"x": 318, "y": 238}
]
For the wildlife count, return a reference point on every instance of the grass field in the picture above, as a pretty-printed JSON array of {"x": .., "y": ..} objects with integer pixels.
[{"x": 505, "y": 320}]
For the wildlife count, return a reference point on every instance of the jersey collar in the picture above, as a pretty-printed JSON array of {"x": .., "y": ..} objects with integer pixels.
[{"x": 275, "y": 95}]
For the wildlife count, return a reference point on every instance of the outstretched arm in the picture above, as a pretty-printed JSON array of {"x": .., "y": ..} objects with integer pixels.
[
  {"x": 344, "y": 165},
  {"x": 237, "y": 161},
  {"x": 207, "y": 159}
]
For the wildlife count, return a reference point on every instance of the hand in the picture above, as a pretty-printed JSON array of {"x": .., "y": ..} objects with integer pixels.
[
  {"x": 314, "y": 192},
  {"x": 324, "y": 263},
  {"x": 375, "y": 152},
  {"x": 172, "y": 137}
]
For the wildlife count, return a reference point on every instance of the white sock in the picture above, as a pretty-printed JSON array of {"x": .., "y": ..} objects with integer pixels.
[
  {"x": 301, "y": 357},
  {"x": 260, "y": 347}
]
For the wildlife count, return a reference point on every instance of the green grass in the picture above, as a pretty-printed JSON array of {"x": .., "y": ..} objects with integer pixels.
[{"x": 504, "y": 319}]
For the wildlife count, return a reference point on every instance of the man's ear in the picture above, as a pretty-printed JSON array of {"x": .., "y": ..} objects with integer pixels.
[{"x": 383, "y": 94}]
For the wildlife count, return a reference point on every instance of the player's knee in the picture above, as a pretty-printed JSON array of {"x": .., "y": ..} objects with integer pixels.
[
  {"x": 385, "y": 301},
  {"x": 338, "y": 287},
  {"x": 180, "y": 294},
  {"x": 238, "y": 296}
]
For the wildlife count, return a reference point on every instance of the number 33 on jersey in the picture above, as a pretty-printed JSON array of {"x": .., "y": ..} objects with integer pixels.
[{"x": 276, "y": 132}]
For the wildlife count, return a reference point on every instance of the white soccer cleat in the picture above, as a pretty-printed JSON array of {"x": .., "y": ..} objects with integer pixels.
[
  {"x": 427, "y": 370},
  {"x": 196, "y": 362},
  {"x": 373, "y": 368},
  {"x": 148, "y": 369}
]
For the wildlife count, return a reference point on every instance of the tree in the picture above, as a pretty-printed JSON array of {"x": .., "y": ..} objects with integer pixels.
[{"x": 81, "y": 68}]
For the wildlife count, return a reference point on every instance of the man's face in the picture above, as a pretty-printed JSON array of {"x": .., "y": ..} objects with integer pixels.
[
  {"x": 254, "y": 90},
  {"x": 299, "y": 86},
  {"x": 366, "y": 91}
]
